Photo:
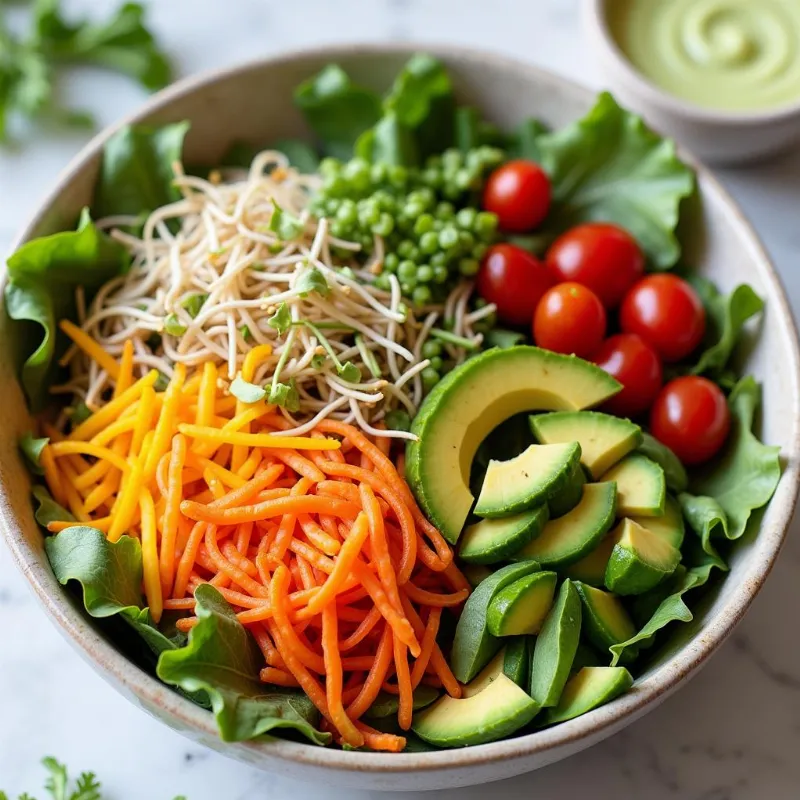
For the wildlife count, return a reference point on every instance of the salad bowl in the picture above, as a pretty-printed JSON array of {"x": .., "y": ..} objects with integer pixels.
[{"x": 253, "y": 102}]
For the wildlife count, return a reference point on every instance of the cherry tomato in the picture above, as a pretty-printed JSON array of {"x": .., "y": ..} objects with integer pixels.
[
  {"x": 599, "y": 255},
  {"x": 636, "y": 366},
  {"x": 519, "y": 193},
  {"x": 666, "y": 312},
  {"x": 570, "y": 319},
  {"x": 514, "y": 280},
  {"x": 691, "y": 416}
]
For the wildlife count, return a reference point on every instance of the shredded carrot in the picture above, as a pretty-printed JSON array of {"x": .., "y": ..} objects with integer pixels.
[
  {"x": 278, "y": 677},
  {"x": 428, "y": 643},
  {"x": 375, "y": 678}
]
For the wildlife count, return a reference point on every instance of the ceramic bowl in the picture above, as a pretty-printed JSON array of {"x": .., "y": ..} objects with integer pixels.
[
  {"x": 254, "y": 102},
  {"x": 716, "y": 136}
]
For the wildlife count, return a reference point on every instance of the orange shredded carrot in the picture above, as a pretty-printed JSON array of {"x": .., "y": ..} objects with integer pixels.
[
  {"x": 169, "y": 527},
  {"x": 428, "y": 643},
  {"x": 375, "y": 677},
  {"x": 363, "y": 630},
  {"x": 277, "y": 677},
  {"x": 375, "y": 740},
  {"x": 309, "y": 504},
  {"x": 406, "y": 690}
]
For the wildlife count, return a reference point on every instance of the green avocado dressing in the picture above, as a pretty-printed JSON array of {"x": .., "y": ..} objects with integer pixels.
[{"x": 738, "y": 55}]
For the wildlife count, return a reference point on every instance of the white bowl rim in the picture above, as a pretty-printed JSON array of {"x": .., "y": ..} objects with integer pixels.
[
  {"x": 596, "y": 21},
  {"x": 596, "y": 724}
]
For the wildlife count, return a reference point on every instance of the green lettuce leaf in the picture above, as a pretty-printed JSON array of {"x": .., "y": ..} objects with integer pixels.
[
  {"x": 47, "y": 510},
  {"x": 389, "y": 142},
  {"x": 671, "y": 608},
  {"x": 110, "y": 575},
  {"x": 42, "y": 277},
  {"x": 136, "y": 175},
  {"x": 222, "y": 659},
  {"x": 471, "y": 131},
  {"x": 609, "y": 167},
  {"x": 524, "y": 141},
  {"x": 31, "y": 448},
  {"x": 422, "y": 101},
  {"x": 725, "y": 318},
  {"x": 337, "y": 110},
  {"x": 744, "y": 477},
  {"x": 707, "y": 520}
]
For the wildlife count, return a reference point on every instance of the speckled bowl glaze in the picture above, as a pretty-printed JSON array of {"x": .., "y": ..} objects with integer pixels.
[{"x": 254, "y": 102}]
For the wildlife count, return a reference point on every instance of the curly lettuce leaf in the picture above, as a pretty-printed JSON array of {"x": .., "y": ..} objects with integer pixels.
[
  {"x": 471, "y": 131},
  {"x": 31, "y": 448},
  {"x": 707, "y": 520},
  {"x": 610, "y": 167},
  {"x": 222, "y": 660},
  {"x": 744, "y": 477},
  {"x": 337, "y": 110},
  {"x": 725, "y": 318},
  {"x": 110, "y": 575},
  {"x": 136, "y": 175},
  {"x": 388, "y": 142},
  {"x": 47, "y": 510},
  {"x": 42, "y": 277},
  {"x": 671, "y": 608}
]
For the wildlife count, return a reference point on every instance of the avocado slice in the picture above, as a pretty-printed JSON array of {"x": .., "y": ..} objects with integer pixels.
[
  {"x": 565, "y": 500},
  {"x": 475, "y": 573},
  {"x": 492, "y": 540},
  {"x": 604, "y": 439},
  {"x": 587, "y": 656},
  {"x": 569, "y": 538},
  {"x": 674, "y": 471},
  {"x": 512, "y": 661},
  {"x": 386, "y": 705},
  {"x": 591, "y": 568},
  {"x": 640, "y": 559},
  {"x": 556, "y": 646},
  {"x": 473, "y": 645},
  {"x": 497, "y": 711},
  {"x": 521, "y": 608},
  {"x": 588, "y": 689},
  {"x": 605, "y": 620},
  {"x": 475, "y": 398},
  {"x": 527, "y": 481},
  {"x": 641, "y": 489},
  {"x": 669, "y": 526}
]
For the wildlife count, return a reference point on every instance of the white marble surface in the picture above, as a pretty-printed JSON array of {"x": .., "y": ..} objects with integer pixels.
[{"x": 732, "y": 734}]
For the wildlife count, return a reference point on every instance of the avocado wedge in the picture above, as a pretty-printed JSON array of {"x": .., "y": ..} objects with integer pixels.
[
  {"x": 604, "y": 439},
  {"x": 474, "y": 399},
  {"x": 588, "y": 689},
  {"x": 641, "y": 489},
  {"x": 490, "y": 541},
  {"x": 569, "y": 538},
  {"x": 674, "y": 471},
  {"x": 669, "y": 526},
  {"x": 497, "y": 711},
  {"x": 473, "y": 645},
  {"x": 591, "y": 568},
  {"x": 512, "y": 661},
  {"x": 528, "y": 480},
  {"x": 564, "y": 501},
  {"x": 556, "y": 646},
  {"x": 520, "y": 608},
  {"x": 605, "y": 621},
  {"x": 386, "y": 705},
  {"x": 640, "y": 560}
]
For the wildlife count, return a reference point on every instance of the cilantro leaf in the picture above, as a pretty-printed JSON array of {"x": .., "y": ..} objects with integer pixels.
[
  {"x": 245, "y": 391},
  {"x": 286, "y": 225},
  {"x": 312, "y": 280},
  {"x": 285, "y": 395},
  {"x": 173, "y": 326},
  {"x": 281, "y": 320},
  {"x": 194, "y": 302},
  {"x": 349, "y": 372}
]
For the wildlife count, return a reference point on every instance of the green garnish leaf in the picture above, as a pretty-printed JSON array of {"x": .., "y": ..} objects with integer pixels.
[
  {"x": 312, "y": 280},
  {"x": 31, "y": 448},
  {"x": 337, "y": 110},
  {"x": 725, "y": 318},
  {"x": 173, "y": 326},
  {"x": 42, "y": 277},
  {"x": 318, "y": 360},
  {"x": 744, "y": 477},
  {"x": 281, "y": 320},
  {"x": 498, "y": 337},
  {"x": 608, "y": 166},
  {"x": 244, "y": 330},
  {"x": 398, "y": 420},
  {"x": 524, "y": 141},
  {"x": 285, "y": 225},
  {"x": 301, "y": 155},
  {"x": 708, "y": 520},
  {"x": 136, "y": 176},
  {"x": 222, "y": 659},
  {"x": 389, "y": 142},
  {"x": 193, "y": 303},
  {"x": 349, "y": 372},
  {"x": 285, "y": 395},
  {"x": 110, "y": 574},
  {"x": 47, "y": 510},
  {"x": 247, "y": 392},
  {"x": 80, "y": 412}
]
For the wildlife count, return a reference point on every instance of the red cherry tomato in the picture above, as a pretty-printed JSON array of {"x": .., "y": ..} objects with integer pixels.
[
  {"x": 514, "y": 280},
  {"x": 570, "y": 319},
  {"x": 666, "y": 312},
  {"x": 519, "y": 193},
  {"x": 691, "y": 416},
  {"x": 599, "y": 255},
  {"x": 636, "y": 366}
]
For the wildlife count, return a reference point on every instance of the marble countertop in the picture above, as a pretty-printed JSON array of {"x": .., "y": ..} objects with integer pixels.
[{"x": 732, "y": 734}]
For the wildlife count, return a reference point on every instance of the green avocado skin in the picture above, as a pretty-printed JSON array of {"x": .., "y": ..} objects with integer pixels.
[
  {"x": 522, "y": 528},
  {"x": 628, "y": 574},
  {"x": 595, "y": 626},
  {"x": 570, "y": 495},
  {"x": 516, "y": 660},
  {"x": 473, "y": 645},
  {"x": 556, "y": 646},
  {"x": 674, "y": 472}
]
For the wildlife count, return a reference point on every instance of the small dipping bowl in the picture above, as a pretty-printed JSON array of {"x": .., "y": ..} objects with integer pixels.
[{"x": 717, "y": 135}]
